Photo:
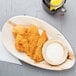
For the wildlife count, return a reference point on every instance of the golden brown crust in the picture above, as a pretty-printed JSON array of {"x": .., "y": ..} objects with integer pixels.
[
  {"x": 33, "y": 36},
  {"x": 19, "y": 30},
  {"x": 38, "y": 52},
  {"x": 18, "y": 43},
  {"x": 29, "y": 41}
]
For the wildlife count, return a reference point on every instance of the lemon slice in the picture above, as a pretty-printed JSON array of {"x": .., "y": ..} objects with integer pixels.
[{"x": 55, "y": 4}]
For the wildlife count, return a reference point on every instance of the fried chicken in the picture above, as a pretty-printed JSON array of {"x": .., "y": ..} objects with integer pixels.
[
  {"x": 33, "y": 36},
  {"x": 18, "y": 43},
  {"x": 37, "y": 56},
  {"x": 29, "y": 41},
  {"x": 19, "y": 29}
]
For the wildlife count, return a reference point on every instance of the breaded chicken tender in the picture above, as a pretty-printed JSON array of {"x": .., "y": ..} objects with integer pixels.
[
  {"x": 25, "y": 45},
  {"x": 21, "y": 43},
  {"x": 23, "y": 40},
  {"x": 20, "y": 34},
  {"x": 33, "y": 36},
  {"x": 18, "y": 43},
  {"x": 38, "y": 52},
  {"x": 18, "y": 29},
  {"x": 29, "y": 41}
]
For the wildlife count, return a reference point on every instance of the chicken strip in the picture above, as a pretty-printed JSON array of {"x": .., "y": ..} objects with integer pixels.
[
  {"x": 38, "y": 52},
  {"x": 33, "y": 36},
  {"x": 19, "y": 29},
  {"x": 25, "y": 45},
  {"x": 21, "y": 43},
  {"x": 18, "y": 43}
]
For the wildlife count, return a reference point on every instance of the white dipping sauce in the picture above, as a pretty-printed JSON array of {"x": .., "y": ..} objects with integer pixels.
[{"x": 55, "y": 52}]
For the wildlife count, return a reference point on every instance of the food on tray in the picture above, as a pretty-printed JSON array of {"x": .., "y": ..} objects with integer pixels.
[
  {"x": 55, "y": 52},
  {"x": 19, "y": 30},
  {"x": 33, "y": 37},
  {"x": 29, "y": 40},
  {"x": 51, "y": 50},
  {"x": 18, "y": 43},
  {"x": 38, "y": 52}
]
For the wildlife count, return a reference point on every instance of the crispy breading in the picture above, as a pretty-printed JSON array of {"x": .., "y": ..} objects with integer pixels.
[
  {"x": 25, "y": 44},
  {"x": 19, "y": 29},
  {"x": 29, "y": 41},
  {"x": 38, "y": 52},
  {"x": 38, "y": 55},
  {"x": 21, "y": 43},
  {"x": 18, "y": 43},
  {"x": 33, "y": 36}
]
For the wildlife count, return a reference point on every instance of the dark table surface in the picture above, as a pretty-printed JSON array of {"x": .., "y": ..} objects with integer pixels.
[{"x": 65, "y": 24}]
